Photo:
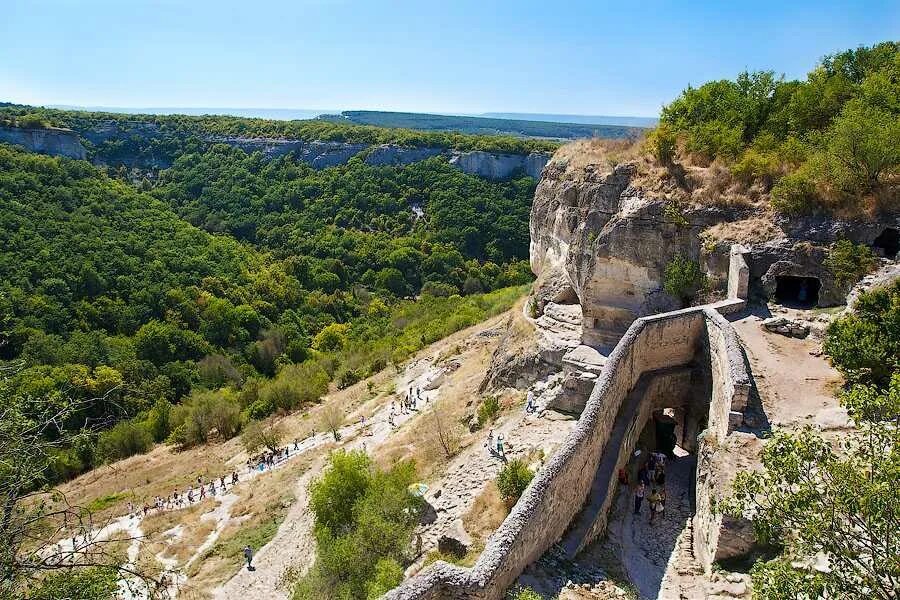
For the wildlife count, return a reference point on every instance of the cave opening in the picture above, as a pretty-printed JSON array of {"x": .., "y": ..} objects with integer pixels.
[
  {"x": 798, "y": 292},
  {"x": 888, "y": 242}
]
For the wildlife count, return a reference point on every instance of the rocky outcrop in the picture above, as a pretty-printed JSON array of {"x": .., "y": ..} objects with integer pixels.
[
  {"x": 317, "y": 154},
  {"x": 613, "y": 244},
  {"x": 596, "y": 231},
  {"x": 499, "y": 166},
  {"x": 51, "y": 140}
]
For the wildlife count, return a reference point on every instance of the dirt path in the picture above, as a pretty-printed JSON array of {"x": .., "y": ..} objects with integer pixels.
[
  {"x": 796, "y": 386},
  {"x": 293, "y": 545}
]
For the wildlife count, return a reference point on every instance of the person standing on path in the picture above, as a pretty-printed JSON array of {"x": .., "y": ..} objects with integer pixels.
[
  {"x": 500, "y": 449},
  {"x": 639, "y": 497},
  {"x": 248, "y": 556},
  {"x": 489, "y": 443}
]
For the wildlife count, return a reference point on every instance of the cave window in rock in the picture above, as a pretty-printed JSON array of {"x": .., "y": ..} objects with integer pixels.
[
  {"x": 888, "y": 242},
  {"x": 799, "y": 292}
]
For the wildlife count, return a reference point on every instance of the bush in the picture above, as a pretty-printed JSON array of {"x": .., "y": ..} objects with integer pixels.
[
  {"x": 32, "y": 122},
  {"x": 662, "y": 144},
  {"x": 123, "y": 440},
  {"x": 683, "y": 279},
  {"x": 364, "y": 520},
  {"x": 217, "y": 370},
  {"x": 865, "y": 345},
  {"x": 157, "y": 421},
  {"x": 526, "y": 593},
  {"x": 512, "y": 480},
  {"x": 257, "y": 434},
  {"x": 332, "y": 338},
  {"x": 849, "y": 262},
  {"x": 205, "y": 414},
  {"x": 94, "y": 583},
  {"x": 488, "y": 410},
  {"x": 294, "y": 386},
  {"x": 795, "y": 194}
]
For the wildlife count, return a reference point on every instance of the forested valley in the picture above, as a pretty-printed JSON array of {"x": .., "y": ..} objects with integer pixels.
[{"x": 231, "y": 286}]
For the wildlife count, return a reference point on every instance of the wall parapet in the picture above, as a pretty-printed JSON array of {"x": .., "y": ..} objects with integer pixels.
[{"x": 558, "y": 492}]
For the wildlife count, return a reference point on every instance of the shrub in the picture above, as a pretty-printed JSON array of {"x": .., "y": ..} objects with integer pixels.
[
  {"x": 864, "y": 345},
  {"x": 125, "y": 439},
  {"x": 294, "y": 386},
  {"x": 683, "y": 279},
  {"x": 257, "y": 434},
  {"x": 332, "y": 338},
  {"x": 526, "y": 593},
  {"x": 364, "y": 520},
  {"x": 512, "y": 480},
  {"x": 757, "y": 166},
  {"x": 157, "y": 421},
  {"x": 32, "y": 121},
  {"x": 217, "y": 370},
  {"x": 795, "y": 193},
  {"x": 203, "y": 414},
  {"x": 439, "y": 289},
  {"x": 849, "y": 262},
  {"x": 93, "y": 583},
  {"x": 662, "y": 144},
  {"x": 488, "y": 410}
]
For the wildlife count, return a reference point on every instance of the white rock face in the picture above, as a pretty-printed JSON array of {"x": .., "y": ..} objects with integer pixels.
[
  {"x": 499, "y": 166},
  {"x": 612, "y": 244},
  {"x": 56, "y": 142}
]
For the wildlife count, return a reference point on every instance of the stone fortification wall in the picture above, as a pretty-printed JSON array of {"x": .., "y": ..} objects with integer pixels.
[{"x": 558, "y": 493}]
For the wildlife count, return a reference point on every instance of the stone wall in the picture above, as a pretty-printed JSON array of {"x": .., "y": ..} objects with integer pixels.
[{"x": 559, "y": 492}]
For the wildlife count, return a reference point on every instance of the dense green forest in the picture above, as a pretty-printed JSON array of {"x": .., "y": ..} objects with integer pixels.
[
  {"x": 108, "y": 294},
  {"x": 826, "y": 144},
  {"x": 483, "y": 125}
]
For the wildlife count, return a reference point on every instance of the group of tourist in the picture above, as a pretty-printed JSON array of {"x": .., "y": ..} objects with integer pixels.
[
  {"x": 408, "y": 404},
  {"x": 187, "y": 497},
  {"x": 495, "y": 444},
  {"x": 270, "y": 458},
  {"x": 651, "y": 476}
]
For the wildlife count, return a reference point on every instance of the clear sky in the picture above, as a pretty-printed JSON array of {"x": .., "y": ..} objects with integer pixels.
[{"x": 456, "y": 56}]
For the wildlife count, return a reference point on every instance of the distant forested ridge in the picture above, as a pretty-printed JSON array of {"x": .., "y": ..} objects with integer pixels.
[
  {"x": 116, "y": 138},
  {"x": 483, "y": 125}
]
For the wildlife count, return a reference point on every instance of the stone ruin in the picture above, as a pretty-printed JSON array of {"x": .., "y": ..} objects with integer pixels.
[{"x": 688, "y": 361}]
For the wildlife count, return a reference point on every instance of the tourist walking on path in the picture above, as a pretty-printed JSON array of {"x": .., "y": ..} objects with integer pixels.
[
  {"x": 248, "y": 556},
  {"x": 655, "y": 505},
  {"x": 489, "y": 442},
  {"x": 500, "y": 448},
  {"x": 639, "y": 497}
]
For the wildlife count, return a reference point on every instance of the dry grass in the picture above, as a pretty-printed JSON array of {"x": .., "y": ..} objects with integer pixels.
[
  {"x": 486, "y": 513},
  {"x": 596, "y": 154},
  {"x": 418, "y": 439},
  {"x": 753, "y": 230}
]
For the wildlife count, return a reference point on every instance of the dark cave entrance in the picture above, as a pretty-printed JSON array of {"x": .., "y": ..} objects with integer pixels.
[
  {"x": 888, "y": 242},
  {"x": 666, "y": 437},
  {"x": 798, "y": 292}
]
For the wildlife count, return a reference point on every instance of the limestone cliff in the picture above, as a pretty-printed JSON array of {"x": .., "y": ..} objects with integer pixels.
[
  {"x": 113, "y": 142},
  {"x": 51, "y": 140},
  {"x": 600, "y": 238}
]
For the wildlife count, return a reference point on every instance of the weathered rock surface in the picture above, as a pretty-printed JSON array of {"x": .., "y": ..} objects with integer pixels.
[
  {"x": 612, "y": 242},
  {"x": 594, "y": 230},
  {"x": 53, "y": 141},
  {"x": 317, "y": 154},
  {"x": 785, "y": 326}
]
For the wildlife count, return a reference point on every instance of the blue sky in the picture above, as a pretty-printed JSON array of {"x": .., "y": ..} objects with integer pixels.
[{"x": 454, "y": 56}]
